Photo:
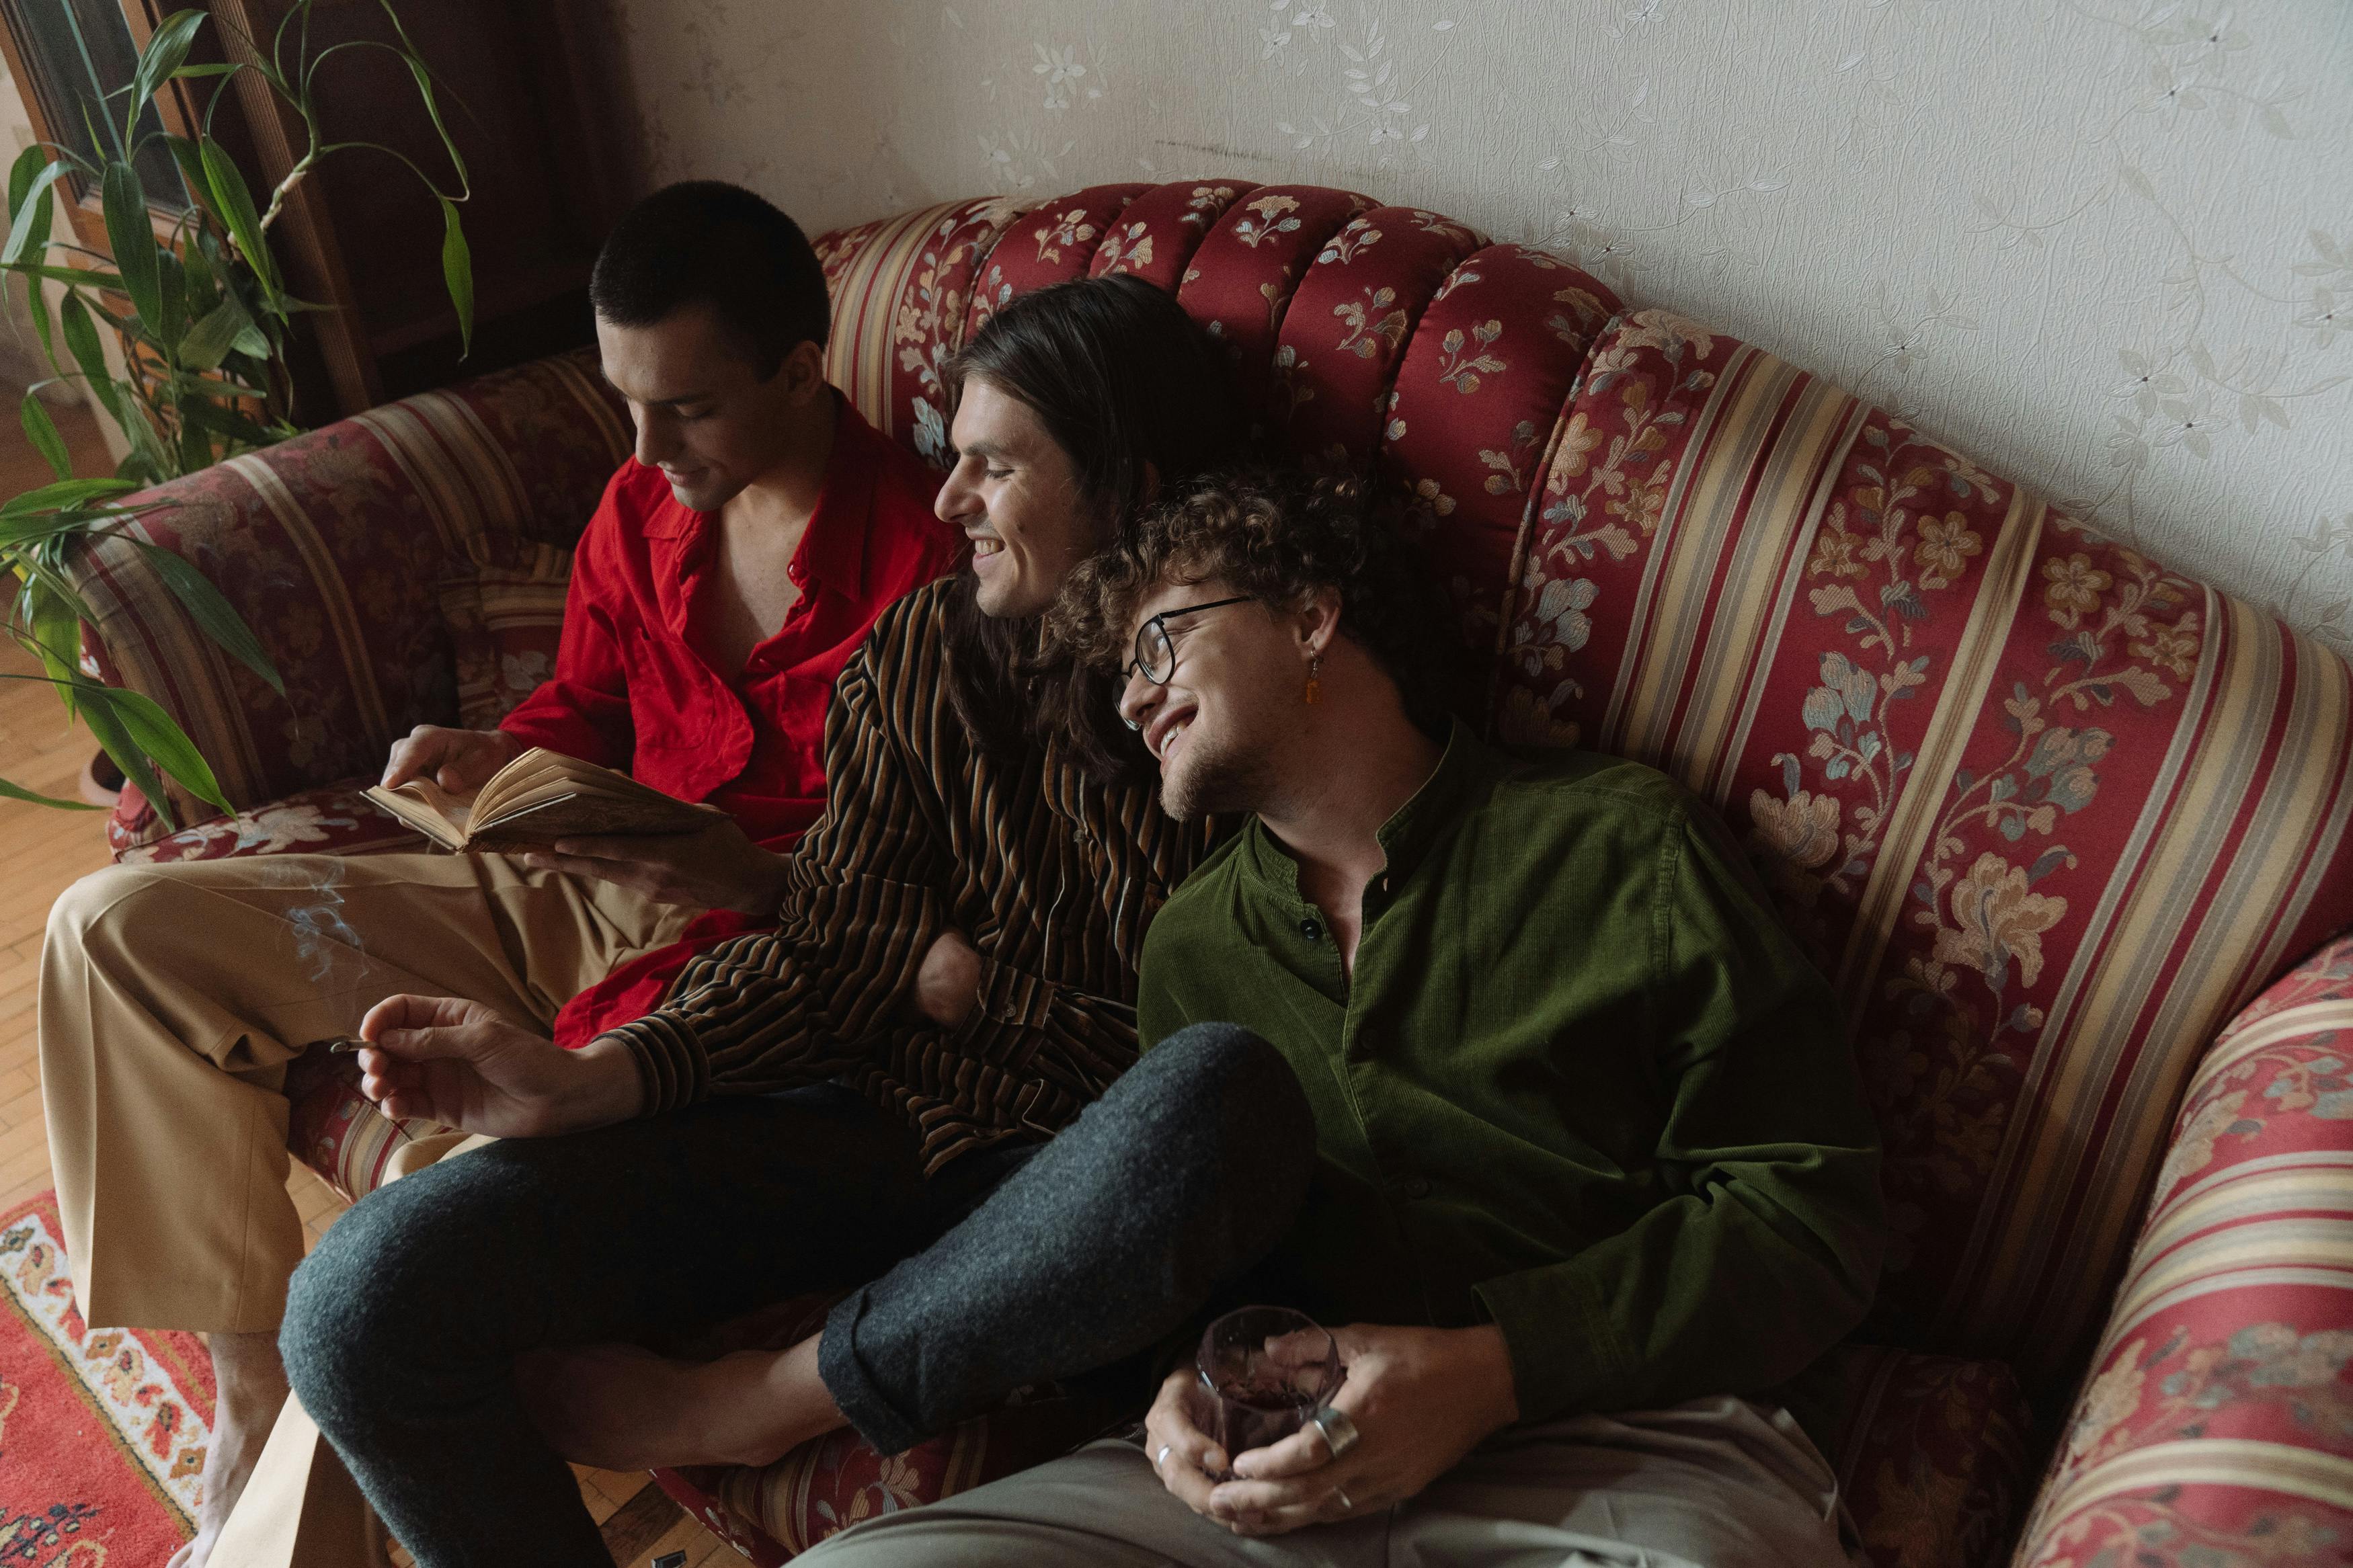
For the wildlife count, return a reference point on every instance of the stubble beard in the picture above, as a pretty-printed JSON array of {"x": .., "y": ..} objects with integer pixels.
[{"x": 1215, "y": 779}]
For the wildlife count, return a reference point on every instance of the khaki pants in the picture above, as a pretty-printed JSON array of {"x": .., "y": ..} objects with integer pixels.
[
  {"x": 1715, "y": 1483},
  {"x": 173, "y": 997}
]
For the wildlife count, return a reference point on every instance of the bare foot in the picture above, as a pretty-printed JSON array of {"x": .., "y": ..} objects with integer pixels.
[
  {"x": 622, "y": 1408},
  {"x": 250, "y": 1388}
]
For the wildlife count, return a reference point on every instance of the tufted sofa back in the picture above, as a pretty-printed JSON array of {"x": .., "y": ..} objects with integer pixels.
[{"x": 2047, "y": 811}]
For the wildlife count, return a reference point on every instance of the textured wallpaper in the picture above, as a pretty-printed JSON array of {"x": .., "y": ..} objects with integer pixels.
[{"x": 2105, "y": 246}]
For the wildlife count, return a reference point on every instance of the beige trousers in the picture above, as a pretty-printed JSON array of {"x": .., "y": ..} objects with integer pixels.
[
  {"x": 173, "y": 997},
  {"x": 1715, "y": 1483}
]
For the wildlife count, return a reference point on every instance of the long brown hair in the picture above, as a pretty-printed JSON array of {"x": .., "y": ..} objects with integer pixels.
[{"x": 1133, "y": 392}]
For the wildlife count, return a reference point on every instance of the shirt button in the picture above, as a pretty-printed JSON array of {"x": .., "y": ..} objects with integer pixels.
[{"x": 1310, "y": 930}]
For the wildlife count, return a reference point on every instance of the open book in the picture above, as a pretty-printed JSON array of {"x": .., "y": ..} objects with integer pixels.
[{"x": 536, "y": 799}]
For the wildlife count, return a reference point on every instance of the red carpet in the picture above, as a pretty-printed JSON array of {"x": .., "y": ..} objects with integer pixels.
[{"x": 101, "y": 1433}]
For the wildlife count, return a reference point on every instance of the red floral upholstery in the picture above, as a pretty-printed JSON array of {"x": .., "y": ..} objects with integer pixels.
[
  {"x": 335, "y": 819},
  {"x": 2217, "y": 1425},
  {"x": 1933, "y": 1454},
  {"x": 2047, "y": 811}
]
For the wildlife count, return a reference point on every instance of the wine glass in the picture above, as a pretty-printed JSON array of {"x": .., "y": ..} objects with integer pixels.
[{"x": 1267, "y": 1371}]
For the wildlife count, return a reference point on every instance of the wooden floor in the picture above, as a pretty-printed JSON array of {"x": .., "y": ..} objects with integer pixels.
[{"x": 42, "y": 852}]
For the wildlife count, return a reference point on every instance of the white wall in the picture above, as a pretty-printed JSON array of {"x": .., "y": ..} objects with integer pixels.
[{"x": 2095, "y": 243}]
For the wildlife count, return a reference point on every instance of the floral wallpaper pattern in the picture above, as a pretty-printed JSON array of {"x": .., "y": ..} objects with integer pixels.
[{"x": 2105, "y": 245}]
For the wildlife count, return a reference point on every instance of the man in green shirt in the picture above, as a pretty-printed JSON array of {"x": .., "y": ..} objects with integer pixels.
[{"x": 1595, "y": 1175}]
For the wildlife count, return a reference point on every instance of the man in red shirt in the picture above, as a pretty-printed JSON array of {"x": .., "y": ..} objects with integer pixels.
[{"x": 731, "y": 570}]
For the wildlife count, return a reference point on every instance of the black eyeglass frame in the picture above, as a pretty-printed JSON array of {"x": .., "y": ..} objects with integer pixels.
[{"x": 1159, "y": 623}]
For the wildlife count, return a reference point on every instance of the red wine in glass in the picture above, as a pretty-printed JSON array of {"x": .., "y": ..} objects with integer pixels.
[{"x": 1266, "y": 1370}]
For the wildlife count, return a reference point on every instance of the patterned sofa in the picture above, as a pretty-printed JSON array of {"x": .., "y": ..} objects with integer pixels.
[{"x": 2068, "y": 829}]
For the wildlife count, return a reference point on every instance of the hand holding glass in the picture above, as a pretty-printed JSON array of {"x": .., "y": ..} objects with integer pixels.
[{"x": 1268, "y": 1371}]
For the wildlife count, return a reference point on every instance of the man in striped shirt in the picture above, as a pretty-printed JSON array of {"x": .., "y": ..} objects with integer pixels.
[{"x": 863, "y": 1091}]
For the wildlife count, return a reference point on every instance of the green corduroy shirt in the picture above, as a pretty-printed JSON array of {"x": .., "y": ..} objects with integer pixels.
[{"x": 1581, "y": 1083}]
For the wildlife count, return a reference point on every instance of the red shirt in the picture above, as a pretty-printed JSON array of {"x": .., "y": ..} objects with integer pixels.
[{"x": 634, "y": 689}]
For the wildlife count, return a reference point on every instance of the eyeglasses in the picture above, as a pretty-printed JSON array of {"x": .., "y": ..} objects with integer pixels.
[{"x": 1155, "y": 655}]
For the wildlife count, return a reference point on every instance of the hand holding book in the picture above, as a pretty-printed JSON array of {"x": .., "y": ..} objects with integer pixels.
[
  {"x": 561, "y": 813},
  {"x": 538, "y": 798}
]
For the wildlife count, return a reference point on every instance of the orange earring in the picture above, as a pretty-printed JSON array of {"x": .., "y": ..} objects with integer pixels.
[{"x": 1315, "y": 686}]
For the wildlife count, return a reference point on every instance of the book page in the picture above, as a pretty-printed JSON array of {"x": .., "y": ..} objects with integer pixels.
[{"x": 428, "y": 808}]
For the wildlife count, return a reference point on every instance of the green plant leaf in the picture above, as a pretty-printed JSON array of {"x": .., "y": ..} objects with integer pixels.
[
  {"x": 252, "y": 342},
  {"x": 42, "y": 431},
  {"x": 157, "y": 734},
  {"x": 424, "y": 75},
  {"x": 167, "y": 47},
  {"x": 95, "y": 708},
  {"x": 169, "y": 323},
  {"x": 222, "y": 419},
  {"x": 148, "y": 461},
  {"x": 458, "y": 272},
  {"x": 212, "y": 613},
  {"x": 221, "y": 70},
  {"x": 54, "y": 622},
  {"x": 36, "y": 306},
  {"x": 28, "y": 212},
  {"x": 209, "y": 340},
  {"x": 21, "y": 175},
  {"x": 18, "y": 791},
  {"x": 74, "y": 277},
  {"x": 201, "y": 286},
  {"x": 192, "y": 170},
  {"x": 233, "y": 202},
  {"x": 28, "y": 230},
  {"x": 132, "y": 240},
  {"x": 62, "y": 493},
  {"x": 82, "y": 342}
]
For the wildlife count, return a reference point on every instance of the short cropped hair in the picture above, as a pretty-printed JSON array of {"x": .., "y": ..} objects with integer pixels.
[
  {"x": 705, "y": 242},
  {"x": 1278, "y": 535}
]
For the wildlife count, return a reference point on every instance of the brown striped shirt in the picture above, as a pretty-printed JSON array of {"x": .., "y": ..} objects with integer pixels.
[{"x": 1051, "y": 875}]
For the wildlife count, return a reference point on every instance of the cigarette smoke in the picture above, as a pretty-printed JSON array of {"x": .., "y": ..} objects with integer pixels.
[{"x": 325, "y": 946}]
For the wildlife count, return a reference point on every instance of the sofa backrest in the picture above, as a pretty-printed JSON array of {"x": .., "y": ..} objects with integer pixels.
[
  {"x": 334, "y": 546},
  {"x": 2046, "y": 811}
]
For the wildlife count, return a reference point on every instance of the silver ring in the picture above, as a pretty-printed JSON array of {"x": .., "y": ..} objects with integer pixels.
[
  {"x": 1340, "y": 1434},
  {"x": 1345, "y": 1506},
  {"x": 1160, "y": 1460}
]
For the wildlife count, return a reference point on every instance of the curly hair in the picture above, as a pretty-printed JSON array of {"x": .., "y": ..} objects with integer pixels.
[{"x": 1276, "y": 535}]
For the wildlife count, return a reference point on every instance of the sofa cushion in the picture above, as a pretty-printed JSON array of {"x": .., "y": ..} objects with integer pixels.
[
  {"x": 330, "y": 543},
  {"x": 504, "y": 607},
  {"x": 1932, "y": 1455},
  {"x": 2045, "y": 811},
  {"x": 335, "y": 819}
]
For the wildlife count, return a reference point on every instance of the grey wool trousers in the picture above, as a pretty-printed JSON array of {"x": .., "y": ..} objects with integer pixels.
[{"x": 1010, "y": 1267}]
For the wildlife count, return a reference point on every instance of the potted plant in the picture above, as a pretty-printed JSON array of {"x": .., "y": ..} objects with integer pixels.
[{"x": 202, "y": 315}]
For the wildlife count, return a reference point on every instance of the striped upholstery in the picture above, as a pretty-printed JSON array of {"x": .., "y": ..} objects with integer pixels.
[
  {"x": 2048, "y": 812},
  {"x": 2217, "y": 1426}
]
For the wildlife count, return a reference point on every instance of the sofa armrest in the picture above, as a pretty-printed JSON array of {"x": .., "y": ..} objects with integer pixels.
[
  {"x": 2216, "y": 1424},
  {"x": 332, "y": 546}
]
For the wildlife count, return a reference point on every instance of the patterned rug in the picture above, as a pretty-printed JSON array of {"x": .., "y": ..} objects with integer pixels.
[{"x": 101, "y": 1433}]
